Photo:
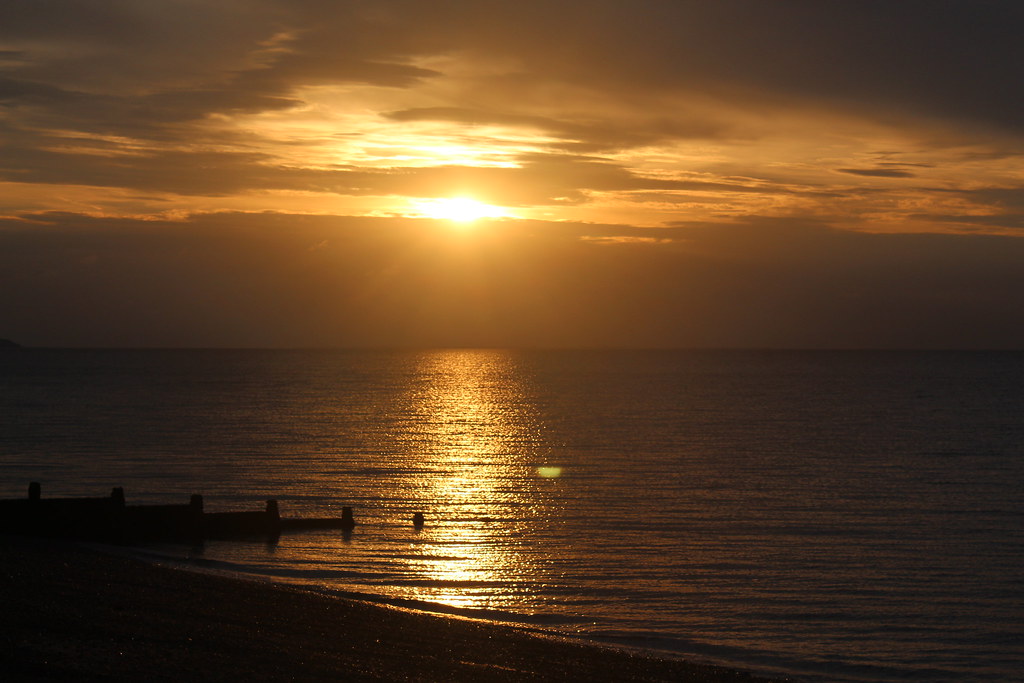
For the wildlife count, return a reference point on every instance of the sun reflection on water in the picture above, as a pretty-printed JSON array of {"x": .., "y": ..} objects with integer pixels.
[{"x": 482, "y": 436}]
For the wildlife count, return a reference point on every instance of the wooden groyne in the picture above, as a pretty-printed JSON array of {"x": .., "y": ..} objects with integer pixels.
[{"x": 111, "y": 520}]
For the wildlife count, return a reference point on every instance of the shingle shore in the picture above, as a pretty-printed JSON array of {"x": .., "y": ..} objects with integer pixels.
[{"x": 74, "y": 614}]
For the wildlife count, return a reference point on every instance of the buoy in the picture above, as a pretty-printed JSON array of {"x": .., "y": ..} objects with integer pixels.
[{"x": 417, "y": 520}]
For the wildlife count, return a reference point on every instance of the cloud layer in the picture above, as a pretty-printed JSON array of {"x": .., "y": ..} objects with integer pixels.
[
  {"x": 687, "y": 173},
  {"x": 279, "y": 280}
]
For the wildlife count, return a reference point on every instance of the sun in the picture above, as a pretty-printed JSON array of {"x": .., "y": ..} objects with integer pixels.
[{"x": 459, "y": 209}]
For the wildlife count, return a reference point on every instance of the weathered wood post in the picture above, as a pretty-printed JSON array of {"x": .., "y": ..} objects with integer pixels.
[
  {"x": 196, "y": 524},
  {"x": 273, "y": 519},
  {"x": 348, "y": 521},
  {"x": 30, "y": 519},
  {"x": 115, "y": 518}
]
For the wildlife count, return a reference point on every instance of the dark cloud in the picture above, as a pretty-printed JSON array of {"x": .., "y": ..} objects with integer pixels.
[
  {"x": 272, "y": 279},
  {"x": 579, "y": 136},
  {"x": 946, "y": 59},
  {"x": 997, "y": 207},
  {"x": 1012, "y": 221},
  {"x": 539, "y": 179},
  {"x": 12, "y": 90},
  {"x": 182, "y": 172},
  {"x": 131, "y": 68},
  {"x": 877, "y": 172},
  {"x": 952, "y": 60},
  {"x": 1000, "y": 197}
]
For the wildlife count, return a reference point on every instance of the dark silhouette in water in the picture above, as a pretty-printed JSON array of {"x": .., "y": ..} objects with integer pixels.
[
  {"x": 111, "y": 520},
  {"x": 348, "y": 522},
  {"x": 417, "y": 520}
]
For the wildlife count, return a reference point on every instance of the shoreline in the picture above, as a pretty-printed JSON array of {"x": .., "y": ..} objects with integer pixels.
[{"x": 76, "y": 613}]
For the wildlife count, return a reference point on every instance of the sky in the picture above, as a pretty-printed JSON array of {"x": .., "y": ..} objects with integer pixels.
[{"x": 474, "y": 173}]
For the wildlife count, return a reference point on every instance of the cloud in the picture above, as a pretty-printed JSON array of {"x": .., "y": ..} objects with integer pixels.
[
  {"x": 541, "y": 178},
  {"x": 949, "y": 60},
  {"x": 129, "y": 68},
  {"x": 991, "y": 207},
  {"x": 1001, "y": 197},
  {"x": 205, "y": 99},
  {"x": 747, "y": 132},
  {"x": 1013, "y": 221},
  {"x": 579, "y": 133},
  {"x": 877, "y": 172},
  {"x": 233, "y": 279}
]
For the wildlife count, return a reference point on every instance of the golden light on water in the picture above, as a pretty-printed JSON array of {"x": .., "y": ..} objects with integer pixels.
[
  {"x": 479, "y": 435},
  {"x": 549, "y": 472}
]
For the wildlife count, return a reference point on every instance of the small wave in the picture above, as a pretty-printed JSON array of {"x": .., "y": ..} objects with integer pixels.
[
  {"x": 539, "y": 619},
  {"x": 320, "y": 580},
  {"x": 258, "y": 571}
]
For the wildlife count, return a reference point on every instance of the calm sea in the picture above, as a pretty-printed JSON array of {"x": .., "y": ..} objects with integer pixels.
[{"x": 835, "y": 516}]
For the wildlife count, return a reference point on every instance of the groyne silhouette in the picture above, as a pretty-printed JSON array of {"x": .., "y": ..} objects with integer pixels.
[{"x": 110, "y": 519}]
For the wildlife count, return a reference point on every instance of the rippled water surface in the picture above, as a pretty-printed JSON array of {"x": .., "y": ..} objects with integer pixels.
[{"x": 832, "y": 515}]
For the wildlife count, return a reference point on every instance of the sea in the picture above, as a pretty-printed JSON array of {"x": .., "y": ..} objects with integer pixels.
[{"x": 843, "y": 516}]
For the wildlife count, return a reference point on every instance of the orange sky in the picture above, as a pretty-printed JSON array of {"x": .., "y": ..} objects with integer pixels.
[{"x": 738, "y": 173}]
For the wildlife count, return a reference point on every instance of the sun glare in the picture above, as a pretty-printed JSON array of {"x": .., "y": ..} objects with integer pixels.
[{"x": 459, "y": 209}]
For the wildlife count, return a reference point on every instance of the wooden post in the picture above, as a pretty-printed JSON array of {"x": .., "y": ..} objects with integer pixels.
[
  {"x": 348, "y": 522},
  {"x": 196, "y": 522},
  {"x": 34, "y": 491},
  {"x": 417, "y": 520},
  {"x": 117, "y": 496},
  {"x": 273, "y": 520}
]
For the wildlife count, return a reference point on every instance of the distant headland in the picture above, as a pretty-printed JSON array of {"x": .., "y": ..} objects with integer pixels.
[{"x": 8, "y": 344}]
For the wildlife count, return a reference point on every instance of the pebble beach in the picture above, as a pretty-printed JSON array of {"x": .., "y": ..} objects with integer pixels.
[{"x": 75, "y": 613}]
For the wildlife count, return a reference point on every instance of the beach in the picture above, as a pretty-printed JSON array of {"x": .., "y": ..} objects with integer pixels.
[{"x": 77, "y": 613}]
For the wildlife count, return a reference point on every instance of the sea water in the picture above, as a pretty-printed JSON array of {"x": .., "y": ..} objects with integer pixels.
[{"x": 832, "y": 516}]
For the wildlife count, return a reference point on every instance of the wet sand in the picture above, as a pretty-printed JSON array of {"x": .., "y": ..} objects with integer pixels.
[{"x": 74, "y": 614}]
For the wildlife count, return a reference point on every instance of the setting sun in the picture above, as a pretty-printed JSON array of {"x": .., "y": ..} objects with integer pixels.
[{"x": 459, "y": 209}]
